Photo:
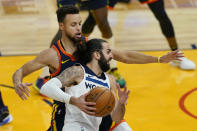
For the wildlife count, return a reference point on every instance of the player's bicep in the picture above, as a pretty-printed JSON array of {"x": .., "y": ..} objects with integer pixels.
[
  {"x": 30, "y": 67},
  {"x": 33, "y": 65},
  {"x": 43, "y": 59}
]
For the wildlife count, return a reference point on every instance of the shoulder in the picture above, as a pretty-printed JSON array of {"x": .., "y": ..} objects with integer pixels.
[
  {"x": 47, "y": 55},
  {"x": 48, "y": 52}
]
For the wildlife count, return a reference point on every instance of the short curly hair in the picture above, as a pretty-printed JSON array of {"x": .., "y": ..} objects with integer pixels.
[{"x": 63, "y": 11}]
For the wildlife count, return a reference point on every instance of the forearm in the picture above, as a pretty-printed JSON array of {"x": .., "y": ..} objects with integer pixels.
[
  {"x": 52, "y": 89},
  {"x": 118, "y": 113},
  {"x": 140, "y": 58},
  {"x": 133, "y": 57}
]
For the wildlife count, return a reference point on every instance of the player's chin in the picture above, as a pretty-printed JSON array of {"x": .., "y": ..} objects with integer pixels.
[{"x": 78, "y": 38}]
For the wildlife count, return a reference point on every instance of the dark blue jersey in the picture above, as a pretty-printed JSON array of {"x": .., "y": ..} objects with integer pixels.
[{"x": 65, "y": 59}]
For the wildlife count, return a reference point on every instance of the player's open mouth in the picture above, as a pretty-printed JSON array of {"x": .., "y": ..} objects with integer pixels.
[{"x": 78, "y": 35}]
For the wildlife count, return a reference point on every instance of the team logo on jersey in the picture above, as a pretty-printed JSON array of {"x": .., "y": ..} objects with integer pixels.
[
  {"x": 65, "y": 61},
  {"x": 96, "y": 81},
  {"x": 90, "y": 86}
]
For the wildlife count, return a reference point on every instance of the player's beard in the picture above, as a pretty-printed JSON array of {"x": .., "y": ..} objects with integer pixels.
[
  {"x": 74, "y": 40},
  {"x": 103, "y": 63}
]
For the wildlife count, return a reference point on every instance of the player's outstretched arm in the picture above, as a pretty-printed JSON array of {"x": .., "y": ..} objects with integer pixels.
[
  {"x": 134, "y": 57},
  {"x": 119, "y": 110},
  {"x": 40, "y": 61}
]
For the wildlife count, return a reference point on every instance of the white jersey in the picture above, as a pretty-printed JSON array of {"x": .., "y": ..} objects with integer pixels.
[{"x": 73, "y": 113}]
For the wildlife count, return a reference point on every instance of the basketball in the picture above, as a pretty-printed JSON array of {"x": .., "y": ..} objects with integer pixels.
[{"x": 104, "y": 100}]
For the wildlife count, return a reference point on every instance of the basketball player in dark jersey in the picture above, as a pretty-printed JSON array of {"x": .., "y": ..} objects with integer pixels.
[{"x": 59, "y": 57}]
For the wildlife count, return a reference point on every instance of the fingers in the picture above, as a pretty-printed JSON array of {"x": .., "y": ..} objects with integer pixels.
[
  {"x": 179, "y": 56},
  {"x": 90, "y": 103},
  {"x": 118, "y": 87},
  {"x": 128, "y": 92},
  {"x": 126, "y": 97},
  {"x": 89, "y": 108},
  {"x": 125, "y": 89},
  {"x": 176, "y": 51},
  {"x": 178, "y": 59},
  {"x": 28, "y": 84},
  {"x": 25, "y": 89},
  {"x": 20, "y": 94},
  {"x": 22, "y": 90},
  {"x": 174, "y": 55},
  {"x": 89, "y": 112},
  {"x": 180, "y": 53}
]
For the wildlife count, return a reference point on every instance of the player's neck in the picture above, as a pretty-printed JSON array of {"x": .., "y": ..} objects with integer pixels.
[
  {"x": 68, "y": 45},
  {"x": 95, "y": 68}
]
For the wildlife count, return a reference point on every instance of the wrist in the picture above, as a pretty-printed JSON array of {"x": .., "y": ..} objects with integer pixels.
[
  {"x": 72, "y": 100},
  {"x": 17, "y": 83},
  {"x": 121, "y": 103}
]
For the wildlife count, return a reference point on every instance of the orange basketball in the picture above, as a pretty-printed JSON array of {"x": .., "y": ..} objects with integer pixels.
[{"x": 104, "y": 100}]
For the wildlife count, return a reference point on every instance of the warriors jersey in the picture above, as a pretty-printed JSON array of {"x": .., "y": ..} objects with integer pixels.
[
  {"x": 65, "y": 59},
  {"x": 73, "y": 113}
]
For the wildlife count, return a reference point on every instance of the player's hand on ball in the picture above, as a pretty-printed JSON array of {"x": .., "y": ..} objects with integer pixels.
[{"x": 83, "y": 105}]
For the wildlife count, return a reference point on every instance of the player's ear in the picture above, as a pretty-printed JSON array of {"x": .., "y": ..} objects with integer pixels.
[
  {"x": 96, "y": 55},
  {"x": 61, "y": 26}
]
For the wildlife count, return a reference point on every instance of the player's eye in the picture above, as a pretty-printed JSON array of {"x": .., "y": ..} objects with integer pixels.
[{"x": 73, "y": 24}]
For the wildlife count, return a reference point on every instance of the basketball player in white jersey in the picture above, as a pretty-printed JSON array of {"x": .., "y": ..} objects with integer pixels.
[{"x": 78, "y": 80}]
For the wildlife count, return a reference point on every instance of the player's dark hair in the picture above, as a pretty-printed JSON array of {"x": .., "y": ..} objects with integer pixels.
[
  {"x": 84, "y": 51},
  {"x": 66, "y": 9}
]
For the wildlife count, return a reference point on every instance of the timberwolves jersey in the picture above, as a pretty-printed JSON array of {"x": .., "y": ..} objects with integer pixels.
[{"x": 73, "y": 113}]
